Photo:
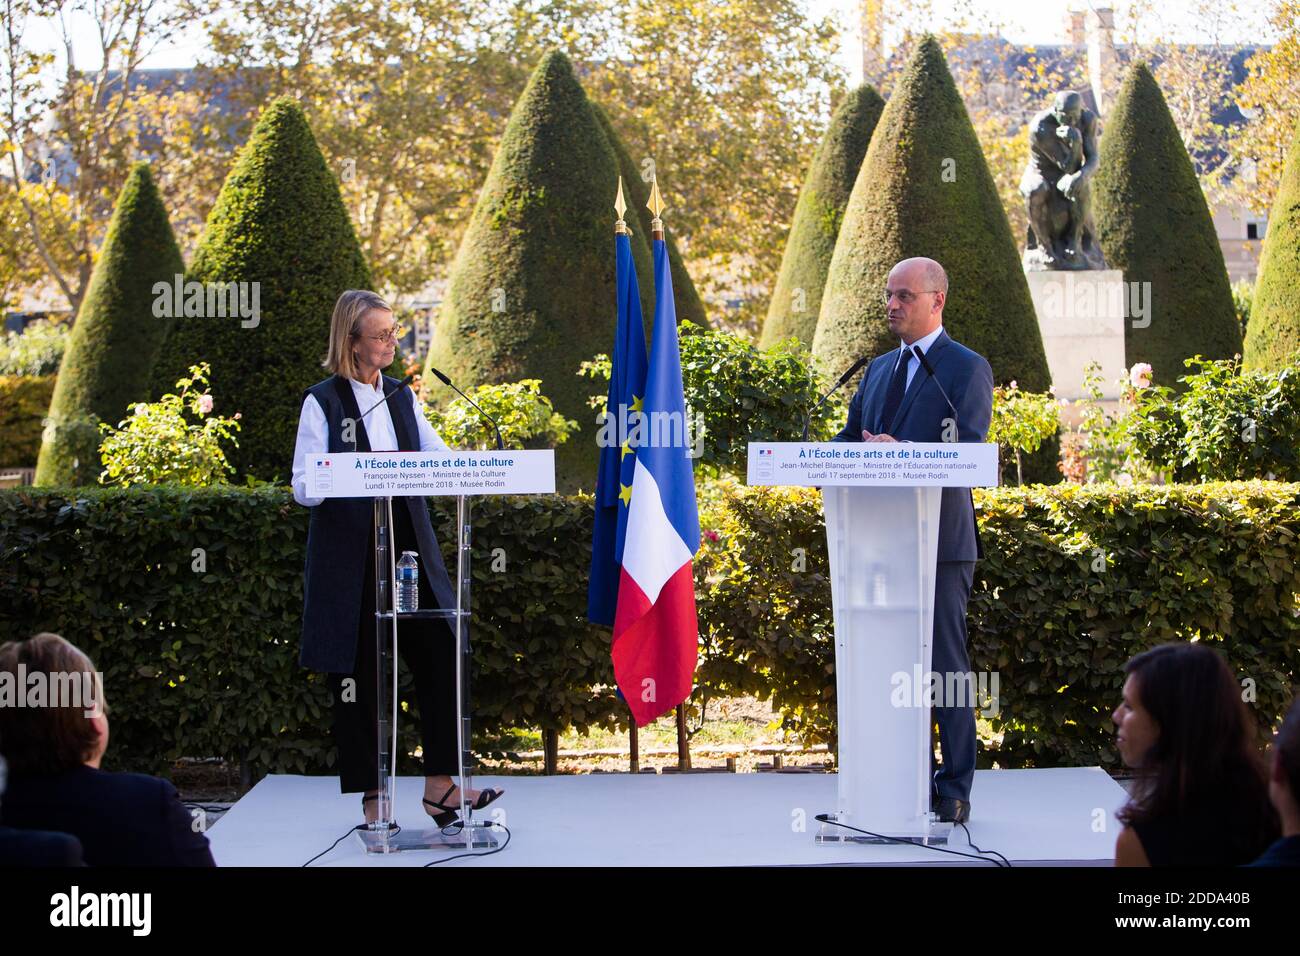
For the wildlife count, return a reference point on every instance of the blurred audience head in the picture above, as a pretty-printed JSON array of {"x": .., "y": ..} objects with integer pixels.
[
  {"x": 1284, "y": 776},
  {"x": 59, "y": 722},
  {"x": 1182, "y": 724}
]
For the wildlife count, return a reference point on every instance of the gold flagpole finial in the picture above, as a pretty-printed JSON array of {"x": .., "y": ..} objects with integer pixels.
[
  {"x": 620, "y": 207},
  {"x": 656, "y": 206}
]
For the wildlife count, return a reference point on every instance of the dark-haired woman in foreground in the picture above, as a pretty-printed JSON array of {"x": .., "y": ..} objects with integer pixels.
[{"x": 1201, "y": 797}]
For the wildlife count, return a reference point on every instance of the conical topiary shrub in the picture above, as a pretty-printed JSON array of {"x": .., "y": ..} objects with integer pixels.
[
  {"x": 1154, "y": 225},
  {"x": 636, "y": 192},
  {"x": 531, "y": 293},
  {"x": 1273, "y": 335},
  {"x": 280, "y": 239},
  {"x": 116, "y": 337},
  {"x": 797, "y": 297}
]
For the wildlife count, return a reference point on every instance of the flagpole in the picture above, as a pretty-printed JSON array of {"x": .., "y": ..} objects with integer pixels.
[{"x": 633, "y": 743}]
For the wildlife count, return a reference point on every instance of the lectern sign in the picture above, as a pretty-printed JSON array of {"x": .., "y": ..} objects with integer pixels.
[
  {"x": 889, "y": 464},
  {"x": 442, "y": 472}
]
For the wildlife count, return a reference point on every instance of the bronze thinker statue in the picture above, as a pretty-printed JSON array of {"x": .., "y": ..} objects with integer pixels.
[{"x": 1056, "y": 187}]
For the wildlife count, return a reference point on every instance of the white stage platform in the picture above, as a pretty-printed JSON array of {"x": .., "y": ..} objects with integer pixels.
[{"x": 1032, "y": 817}]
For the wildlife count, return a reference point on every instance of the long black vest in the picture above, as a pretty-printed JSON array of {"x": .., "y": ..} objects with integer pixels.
[{"x": 339, "y": 539}]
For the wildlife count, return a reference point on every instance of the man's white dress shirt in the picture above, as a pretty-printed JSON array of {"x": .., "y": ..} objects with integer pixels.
[{"x": 313, "y": 437}]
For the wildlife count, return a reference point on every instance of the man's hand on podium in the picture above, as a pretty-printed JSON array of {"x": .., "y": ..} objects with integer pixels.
[{"x": 867, "y": 436}]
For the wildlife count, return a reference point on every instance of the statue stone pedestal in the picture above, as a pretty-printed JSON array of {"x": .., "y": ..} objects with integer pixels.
[{"x": 1081, "y": 318}]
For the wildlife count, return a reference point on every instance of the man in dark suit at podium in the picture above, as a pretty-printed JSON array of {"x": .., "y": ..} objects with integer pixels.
[{"x": 933, "y": 389}]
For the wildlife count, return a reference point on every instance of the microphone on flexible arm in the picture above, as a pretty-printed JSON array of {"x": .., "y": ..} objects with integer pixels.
[
  {"x": 501, "y": 445},
  {"x": 807, "y": 421},
  {"x": 929, "y": 370}
]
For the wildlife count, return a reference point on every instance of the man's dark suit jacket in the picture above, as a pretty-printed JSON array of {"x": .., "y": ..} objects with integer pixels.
[
  {"x": 38, "y": 848},
  {"x": 121, "y": 819},
  {"x": 968, "y": 380},
  {"x": 1283, "y": 852}
]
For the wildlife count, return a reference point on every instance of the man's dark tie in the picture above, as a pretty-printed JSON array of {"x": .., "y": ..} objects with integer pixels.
[{"x": 894, "y": 396}]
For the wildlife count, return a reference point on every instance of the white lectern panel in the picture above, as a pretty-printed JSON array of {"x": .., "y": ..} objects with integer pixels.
[{"x": 882, "y": 544}]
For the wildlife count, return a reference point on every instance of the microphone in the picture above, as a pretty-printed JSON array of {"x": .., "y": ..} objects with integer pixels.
[
  {"x": 807, "y": 421},
  {"x": 929, "y": 370},
  {"x": 501, "y": 445}
]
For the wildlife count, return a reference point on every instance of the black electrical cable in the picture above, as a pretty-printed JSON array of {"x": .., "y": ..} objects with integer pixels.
[
  {"x": 1005, "y": 861},
  {"x": 462, "y": 856},
  {"x": 825, "y": 818},
  {"x": 359, "y": 826}
]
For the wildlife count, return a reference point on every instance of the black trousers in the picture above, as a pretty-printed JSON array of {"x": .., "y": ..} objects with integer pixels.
[
  {"x": 952, "y": 586},
  {"x": 428, "y": 650}
]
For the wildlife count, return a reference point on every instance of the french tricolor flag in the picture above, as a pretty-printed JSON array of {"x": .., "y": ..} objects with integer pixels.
[{"x": 656, "y": 635}]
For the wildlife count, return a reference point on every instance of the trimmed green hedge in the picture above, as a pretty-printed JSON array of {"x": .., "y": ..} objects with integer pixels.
[
  {"x": 1273, "y": 338},
  {"x": 204, "y": 662},
  {"x": 1154, "y": 225},
  {"x": 797, "y": 295},
  {"x": 116, "y": 338},
  {"x": 24, "y": 403},
  {"x": 531, "y": 292},
  {"x": 1218, "y": 562},
  {"x": 279, "y": 226}
]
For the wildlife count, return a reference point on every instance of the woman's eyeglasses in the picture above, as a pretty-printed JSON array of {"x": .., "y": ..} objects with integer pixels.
[{"x": 388, "y": 335}]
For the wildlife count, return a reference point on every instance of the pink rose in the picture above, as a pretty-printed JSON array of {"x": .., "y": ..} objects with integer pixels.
[
  {"x": 205, "y": 404},
  {"x": 1140, "y": 375}
]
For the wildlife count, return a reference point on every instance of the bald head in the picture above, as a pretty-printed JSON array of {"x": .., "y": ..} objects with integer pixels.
[
  {"x": 929, "y": 272},
  {"x": 915, "y": 295}
]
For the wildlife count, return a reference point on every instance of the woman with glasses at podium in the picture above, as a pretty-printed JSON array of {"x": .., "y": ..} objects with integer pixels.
[{"x": 344, "y": 413}]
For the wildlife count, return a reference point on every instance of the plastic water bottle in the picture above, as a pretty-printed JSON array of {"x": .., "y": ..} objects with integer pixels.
[{"x": 408, "y": 582}]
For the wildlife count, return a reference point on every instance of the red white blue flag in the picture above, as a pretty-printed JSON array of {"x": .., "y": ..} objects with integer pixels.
[{"x": 656, "y": 635}]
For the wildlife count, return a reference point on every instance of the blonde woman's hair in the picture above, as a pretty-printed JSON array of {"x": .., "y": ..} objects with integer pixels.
[{"x": 346, "y": 323}]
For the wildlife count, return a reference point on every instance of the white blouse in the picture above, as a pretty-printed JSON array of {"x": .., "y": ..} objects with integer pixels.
[{"x": 313, "y": 436}]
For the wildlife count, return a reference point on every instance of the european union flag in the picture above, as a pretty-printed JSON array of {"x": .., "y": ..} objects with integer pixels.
[{"x": 617, "y": 457}]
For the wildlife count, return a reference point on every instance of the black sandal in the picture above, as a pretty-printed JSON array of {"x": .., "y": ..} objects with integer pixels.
[
  {"x": 448, "y": 814},
  {"x": 485, "y": 797}
]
